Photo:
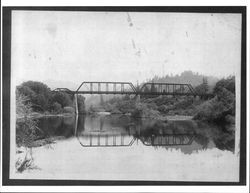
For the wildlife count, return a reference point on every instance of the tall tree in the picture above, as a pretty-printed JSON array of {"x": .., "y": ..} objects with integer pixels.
[
  {"x": 38, "y": 93},
  {"x": 205, "y": 84}
]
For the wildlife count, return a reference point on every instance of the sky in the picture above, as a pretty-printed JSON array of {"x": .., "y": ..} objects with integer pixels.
[{"x": 122, "y": 46}]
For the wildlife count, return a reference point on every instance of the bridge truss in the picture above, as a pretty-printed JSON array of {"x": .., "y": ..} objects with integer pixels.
[
  {"x": 109, "y": 140},
  {"x": 127, "y": 88}
]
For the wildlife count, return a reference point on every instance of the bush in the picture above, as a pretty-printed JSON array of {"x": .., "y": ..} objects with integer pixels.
[
  {"x": 228, "y": 83},
  {"x": 56, "y": 107},
  {"x": 26, "y": 132},
  {"x": 23, "y": 106},
  {"x": 207, "y": 110},
  {"x": 163, "y": 108},
  {"x": 116, "y": 111},
  {"x": 142, "y": 110},
  {"x": 68, "y": 110},
  {"x": 126, "y": 106},
  {"x": 62, "y": 98}
]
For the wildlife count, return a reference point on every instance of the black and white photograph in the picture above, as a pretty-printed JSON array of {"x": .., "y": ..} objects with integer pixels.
[{"x": 127, "y": 95}]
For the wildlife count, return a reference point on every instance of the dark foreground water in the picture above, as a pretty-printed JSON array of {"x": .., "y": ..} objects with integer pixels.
[{"x": 112, "y": 147}]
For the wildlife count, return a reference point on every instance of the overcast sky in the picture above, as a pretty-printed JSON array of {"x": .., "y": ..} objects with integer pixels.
[{"x": 121, "y": 46}]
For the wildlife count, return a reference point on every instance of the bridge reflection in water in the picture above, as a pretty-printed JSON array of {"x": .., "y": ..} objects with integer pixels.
[
  {"x": 104, "y": 136},
  {"x": 168, "y": 140},
  {"x": 105, "y": 140}
]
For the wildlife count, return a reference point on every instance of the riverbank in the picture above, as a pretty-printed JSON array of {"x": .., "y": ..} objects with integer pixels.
[{"x": 36, "y": 115}]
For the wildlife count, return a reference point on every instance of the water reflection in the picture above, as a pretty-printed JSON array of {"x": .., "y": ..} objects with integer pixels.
[
  {"x": 124, "y": 131},
  {"x": 117, "y": 131},
  {"x": 57, "y": 126},
  {"x": 117, "y": 147}
]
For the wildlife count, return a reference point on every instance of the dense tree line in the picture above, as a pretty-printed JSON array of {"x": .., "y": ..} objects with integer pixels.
[
  {"x": 41, "y": 99},
  {"x": 187, "y": 77},
  {"x": 219, "y": 109}
]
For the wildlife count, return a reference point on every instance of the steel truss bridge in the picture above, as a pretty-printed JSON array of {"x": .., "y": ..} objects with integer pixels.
[
  {"x": 127, "y": 88},
  {"x": 109, "y": 140}
]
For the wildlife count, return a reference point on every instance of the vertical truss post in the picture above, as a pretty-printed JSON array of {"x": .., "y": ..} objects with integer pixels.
[
  {"x": 122, "y": 139},
  {"x": 76, "y": 104},
  {"x": 122, "y": 87},
  {"x": 106, "y": 139},
  {"x": 91, "y": 87},
  {"x": 114, "y": 87},
  {"x": 174, "y": 140},
  {"x": 98, "y": 139},
  {"x": 90, "y": 140},
  {"x": 178, "y": 88},
  {"x": 107, "y": 87},
  {"x": 182, "y": 89},
  {"x": 99, "y": 86},
  {"x": 181, "y": 140}
]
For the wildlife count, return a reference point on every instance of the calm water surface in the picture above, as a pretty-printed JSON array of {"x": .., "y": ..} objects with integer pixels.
[{"x": 114, "y": 147}]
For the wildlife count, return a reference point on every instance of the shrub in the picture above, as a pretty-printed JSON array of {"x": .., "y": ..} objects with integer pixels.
[
  {"x": 62, "y": 98},
  {"x": 228, "y": 83},
  {"x": 142, "y": 110},
  {"x": 163, "y": 108},
  {"x": 56, "y": 107},
  {"x": 23, "y": 106},
  {"x": 26, "y": 132},
  {"x": 68, "y": 110},
  {"x": 206, "y": 111}
]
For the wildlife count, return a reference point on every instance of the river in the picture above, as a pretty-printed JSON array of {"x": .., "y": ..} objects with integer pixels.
[{"x": 118, "y": 147}]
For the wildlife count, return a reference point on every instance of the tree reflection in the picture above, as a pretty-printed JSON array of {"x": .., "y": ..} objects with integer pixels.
[{"x": 186, "y": 135}]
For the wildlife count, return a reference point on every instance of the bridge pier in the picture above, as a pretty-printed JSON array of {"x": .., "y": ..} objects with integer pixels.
[{"x": 76, "y": 104}]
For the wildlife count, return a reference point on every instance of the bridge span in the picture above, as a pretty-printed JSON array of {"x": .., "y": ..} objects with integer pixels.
[{"x": 127, "y": 88}]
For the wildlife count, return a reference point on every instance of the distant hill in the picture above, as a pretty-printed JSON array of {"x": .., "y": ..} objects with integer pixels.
[{"x": 188, "y": 77}]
